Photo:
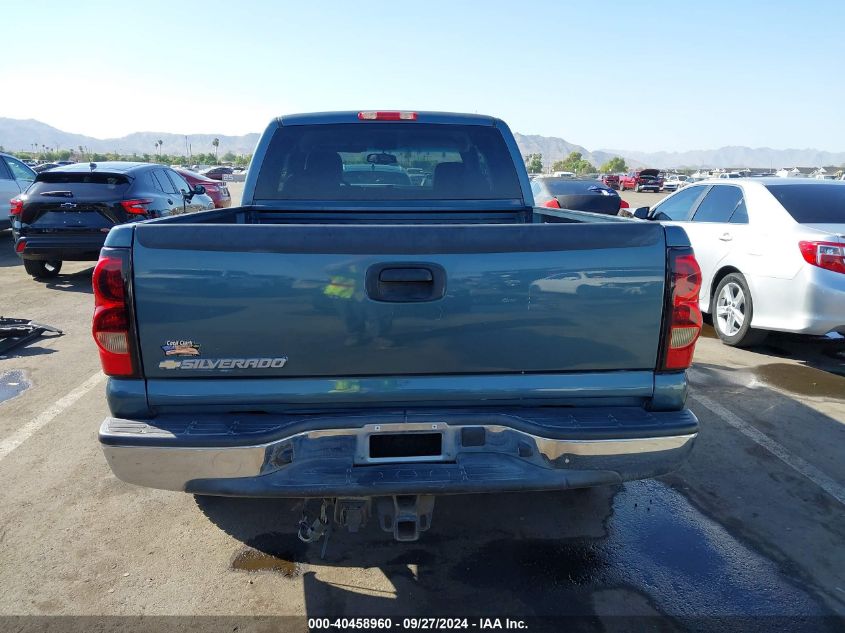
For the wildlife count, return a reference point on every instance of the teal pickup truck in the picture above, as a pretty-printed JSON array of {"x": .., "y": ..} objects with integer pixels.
[{"x": 388, "y": 318}]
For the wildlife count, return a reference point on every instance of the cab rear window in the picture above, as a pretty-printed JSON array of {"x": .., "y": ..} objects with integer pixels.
[
  {"x": 812, "y": 203},
  {"x": 374, "y": 162}
]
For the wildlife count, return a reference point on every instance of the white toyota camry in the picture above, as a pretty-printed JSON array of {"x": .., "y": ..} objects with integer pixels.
[{"x": 771, "y": 250}]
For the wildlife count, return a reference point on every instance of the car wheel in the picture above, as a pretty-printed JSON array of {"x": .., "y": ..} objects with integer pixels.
[
  {"x": 41, "y": 269},
  {"x": 733, "y": 311}
]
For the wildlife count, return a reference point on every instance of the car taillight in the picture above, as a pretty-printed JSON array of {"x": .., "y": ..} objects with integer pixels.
[
  {"x": 136, "y": 207},
  {"x": 552, "y": 204},
  {"x": 390, "y": 115},
  {"x": 623, "y": 204},
  {"x": 21, "y": 245},
  {"x": 16, "y": 206},
  {"x": 111, "y": 326},
  {"x": 828, "y": 255},
  {"x": 683, "y": 323}
]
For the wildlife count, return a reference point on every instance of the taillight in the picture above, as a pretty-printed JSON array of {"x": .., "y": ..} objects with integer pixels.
[
  {"x": 683, "y": 323},
  {"x": 828, "y": 255},
  {"x": 624, "y": 205},
  {"x": 552, "y": 204},
  {"x": 21, "y": 245},
  {"x": 390, "y": 115},
  {"x": 16, "y": 206},
  {"x": 111, "y": 326},
  {"x": 136, "y": 207}
]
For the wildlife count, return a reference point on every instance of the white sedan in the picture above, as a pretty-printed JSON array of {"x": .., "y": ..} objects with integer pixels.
[
  {"x": 673, "y": 182},
  {"x": 771, "y": 250}
]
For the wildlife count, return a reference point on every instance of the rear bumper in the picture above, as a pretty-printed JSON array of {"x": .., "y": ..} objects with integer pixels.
[
  {"x": 64, "y": 248},
  {"x": 233, "y": 456}
]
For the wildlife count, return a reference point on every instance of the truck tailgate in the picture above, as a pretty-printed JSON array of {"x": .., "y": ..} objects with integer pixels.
[{"x": 336, "y": 301}]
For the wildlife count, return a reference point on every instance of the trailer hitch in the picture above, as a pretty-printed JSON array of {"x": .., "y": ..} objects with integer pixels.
[
  {"x": 403, "y": 515},
  {"x": 17, "y": 332}
]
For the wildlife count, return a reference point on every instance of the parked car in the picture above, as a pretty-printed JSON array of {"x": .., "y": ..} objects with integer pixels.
[
  {"x": 29, "y": 162},
  {"x": 611, "y": 180},
  {"x": 315, "y": 347},
  {"x": 578, "y": 195},
  {"x": 641, "y": 180},
  {"x": 392, "y": 175},
  {"x": 691, "y": 180},
  {"x": 15, "y": 178},
  {"x": 771, "y": 250},
  {"x": 67, "y": 211},
  {"x": 673, "y": 182},
  {"x": 214, "y": 189},
  {"x": 217, "y": 173},
  {"x": 44, "y": 167}
]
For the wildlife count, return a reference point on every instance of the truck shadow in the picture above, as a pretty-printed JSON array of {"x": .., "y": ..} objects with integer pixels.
[
  {"x": 484, "y": 553},
  {"x": 711, "y": 538}
]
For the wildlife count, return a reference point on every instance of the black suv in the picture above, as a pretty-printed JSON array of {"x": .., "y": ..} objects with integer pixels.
[{"x": 67, "y": 212}]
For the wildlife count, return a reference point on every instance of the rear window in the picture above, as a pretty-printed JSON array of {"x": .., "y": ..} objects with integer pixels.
[
  {"x": 370, "y": 161},
  {"x": 812, "y": 204},
  {"x": 570, "y": 187},
  {"x": 78, "y": 183}
]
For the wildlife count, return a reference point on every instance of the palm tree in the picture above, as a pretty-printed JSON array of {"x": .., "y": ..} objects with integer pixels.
[
  {"x": 216, "y": 143},
  {"x": 160, "y": 144}
]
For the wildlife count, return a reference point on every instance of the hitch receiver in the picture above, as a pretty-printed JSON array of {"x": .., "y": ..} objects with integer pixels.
[{"x": 405, "y": 515}]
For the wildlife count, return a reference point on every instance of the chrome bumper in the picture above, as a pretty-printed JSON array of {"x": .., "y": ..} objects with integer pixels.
[{"x": 337, "y": 461}]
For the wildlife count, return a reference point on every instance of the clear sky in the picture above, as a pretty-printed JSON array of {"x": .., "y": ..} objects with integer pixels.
[{"x": 642, "y": 75}]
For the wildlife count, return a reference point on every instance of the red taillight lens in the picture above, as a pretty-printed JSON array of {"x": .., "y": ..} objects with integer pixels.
[
  {"x": 108, "y": 281},
  {"x": 684, "y": 322},
  {"x": 624, "y": 205},
  {"x": 111, "y": 327},
  {"x": 552, "y": 204},
  {"x": 828, "y": 255},
  {"x": 136, "y": 207},
  {"x": 390, "y": 115},
  {"x": 16, "y": 206}
]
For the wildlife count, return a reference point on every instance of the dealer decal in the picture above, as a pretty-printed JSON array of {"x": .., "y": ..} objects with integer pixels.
[
  {"x": 224, "y": 363},
  {"x": 181, "y": 348}
]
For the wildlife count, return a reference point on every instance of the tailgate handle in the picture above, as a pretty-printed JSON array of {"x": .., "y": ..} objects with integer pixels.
[
  {"x": 406, "y": 275},
  {"x": 406, "y": 282}
]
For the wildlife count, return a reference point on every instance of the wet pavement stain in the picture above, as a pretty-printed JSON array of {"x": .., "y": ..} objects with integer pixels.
[
  {"x": 252, "y": 560},
  {"x": 12, "y": 384},
  {"x": 802, "y": 380},
  {"x": 267, "y": 552}
]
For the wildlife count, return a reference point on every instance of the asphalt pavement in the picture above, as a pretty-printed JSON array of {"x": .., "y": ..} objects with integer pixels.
[{"x": 752, "y": 525}]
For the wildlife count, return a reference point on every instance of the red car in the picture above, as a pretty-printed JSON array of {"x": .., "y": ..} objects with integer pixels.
[
  {"x": 641, "y": 180},
  {"x": 216, "y": 190},
  {"x": 217, "y": 173},
  {"x": 611, "y": 180}
]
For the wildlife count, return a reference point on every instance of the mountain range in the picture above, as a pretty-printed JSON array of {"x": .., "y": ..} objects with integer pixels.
[{"x": 23, "y": 134}]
